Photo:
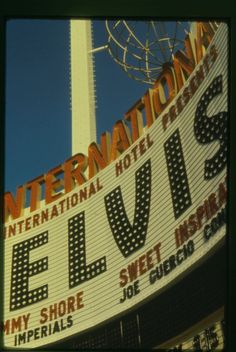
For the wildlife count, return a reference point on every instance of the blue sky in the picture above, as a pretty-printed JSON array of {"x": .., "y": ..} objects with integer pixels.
[{"x": 38, "y": 116}]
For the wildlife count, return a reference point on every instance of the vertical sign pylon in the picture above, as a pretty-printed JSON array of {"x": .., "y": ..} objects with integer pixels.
[{"x": 82, "y": 86}]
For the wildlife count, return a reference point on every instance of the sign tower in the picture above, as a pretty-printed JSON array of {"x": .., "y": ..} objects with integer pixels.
[{"x": 82, "y": 86}]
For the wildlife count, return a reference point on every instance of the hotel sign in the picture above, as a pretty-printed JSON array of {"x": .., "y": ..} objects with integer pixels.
[{"x": 96, "y": 247}]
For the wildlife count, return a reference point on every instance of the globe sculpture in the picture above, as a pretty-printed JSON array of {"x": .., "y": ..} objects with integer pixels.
[{"x": 142, "y": 47}]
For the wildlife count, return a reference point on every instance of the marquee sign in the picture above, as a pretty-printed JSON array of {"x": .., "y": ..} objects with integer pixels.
[{"x": 91, "y": 253}]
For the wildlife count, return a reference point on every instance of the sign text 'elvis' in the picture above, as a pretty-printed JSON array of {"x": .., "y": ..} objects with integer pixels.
[{"x": 115, "y": 208}]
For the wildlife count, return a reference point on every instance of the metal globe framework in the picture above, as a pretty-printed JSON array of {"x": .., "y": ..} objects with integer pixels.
[{"x": 142, "y": 47}]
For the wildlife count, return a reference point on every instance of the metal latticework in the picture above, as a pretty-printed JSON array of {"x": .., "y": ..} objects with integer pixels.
[{"x": 142, "y": 47}]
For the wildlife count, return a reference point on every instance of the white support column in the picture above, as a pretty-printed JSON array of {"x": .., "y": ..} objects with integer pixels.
[{"x": 82, "y": 86}]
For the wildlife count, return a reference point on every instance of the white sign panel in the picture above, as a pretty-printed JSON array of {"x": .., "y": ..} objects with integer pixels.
[{"x": 121, "y": 237}]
